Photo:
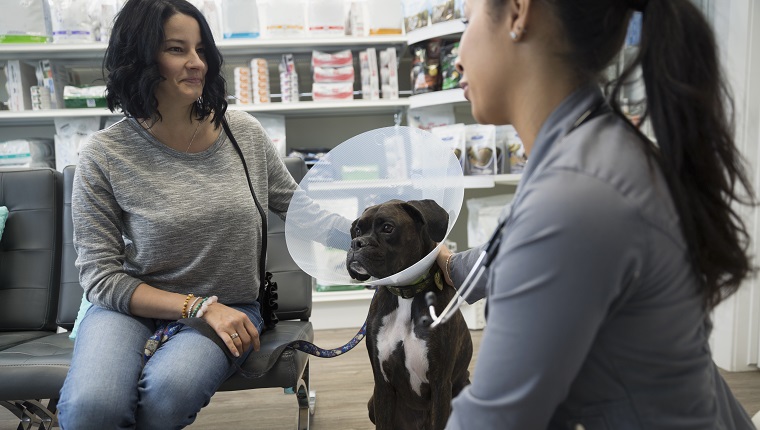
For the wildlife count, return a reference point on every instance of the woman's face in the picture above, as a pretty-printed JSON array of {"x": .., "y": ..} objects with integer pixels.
[
  {"x": 484, "y": 62},
  {"x": 181, "y": 62}
]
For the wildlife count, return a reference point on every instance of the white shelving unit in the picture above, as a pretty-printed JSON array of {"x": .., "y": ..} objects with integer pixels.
[
  {"x": 95, "y": 51},
  {"x": 302, "y": 108},
  {"x": 445, "y": 29},
  {"x": 435, "y": 98},
  {"x": 508, "y": 179},
  {"x": 92, "y": 53},
  {"x": 331, "y": 309}
]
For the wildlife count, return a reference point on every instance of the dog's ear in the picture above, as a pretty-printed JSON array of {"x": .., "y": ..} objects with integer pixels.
[{"x": 433, "y": 216}]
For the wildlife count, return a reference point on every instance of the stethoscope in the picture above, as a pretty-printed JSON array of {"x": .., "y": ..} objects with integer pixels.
[{"x": 492, "y": 247}]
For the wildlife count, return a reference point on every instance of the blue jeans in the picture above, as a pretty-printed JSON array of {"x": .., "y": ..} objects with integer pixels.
[{"x": 107, "y": 386}]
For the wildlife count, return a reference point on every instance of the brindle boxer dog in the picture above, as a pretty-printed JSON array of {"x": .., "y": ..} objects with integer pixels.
[{"x": 417, "y": 370}]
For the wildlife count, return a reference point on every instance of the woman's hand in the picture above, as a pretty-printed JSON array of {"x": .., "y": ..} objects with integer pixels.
[
  {"x": 227, "y": 322},
  {"x": 442, "y": 259}
]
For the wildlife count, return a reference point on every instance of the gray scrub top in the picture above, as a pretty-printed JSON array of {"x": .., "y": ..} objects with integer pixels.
[{"x": 595, "y": 320}]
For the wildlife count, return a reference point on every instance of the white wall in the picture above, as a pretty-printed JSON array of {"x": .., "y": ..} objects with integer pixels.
[{"x": 736, "y": 336}]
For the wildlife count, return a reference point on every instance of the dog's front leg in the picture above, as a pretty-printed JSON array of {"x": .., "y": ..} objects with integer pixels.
[
  {"x": 440, "y": 409},
  {"x": 385, "y": 406}
]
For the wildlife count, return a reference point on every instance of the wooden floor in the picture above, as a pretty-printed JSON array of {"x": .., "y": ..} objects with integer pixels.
[{"x": 343, "y": 386}]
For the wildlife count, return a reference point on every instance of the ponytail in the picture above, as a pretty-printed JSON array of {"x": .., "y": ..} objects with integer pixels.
[{"x": 691, "y": 110}]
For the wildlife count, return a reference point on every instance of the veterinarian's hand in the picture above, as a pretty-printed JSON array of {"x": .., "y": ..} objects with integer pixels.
[
  {"x": 443, "y": 256},
  {"x": 227, "y": 321}
]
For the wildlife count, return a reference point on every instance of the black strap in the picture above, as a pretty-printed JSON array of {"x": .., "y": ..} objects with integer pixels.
[
  {"x": 263, "y": 256},
  {"x": 267, "y": 287}
]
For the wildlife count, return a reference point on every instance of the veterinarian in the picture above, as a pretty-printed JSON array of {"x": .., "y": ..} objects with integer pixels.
[
  {"x": 616, "y": 249},
  {"x": 165, "y": 227}
]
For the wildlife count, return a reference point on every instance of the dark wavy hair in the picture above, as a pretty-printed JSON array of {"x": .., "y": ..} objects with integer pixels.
[
  {"x": 691, "y": 110},
  {"x": 130, "y": 68}
]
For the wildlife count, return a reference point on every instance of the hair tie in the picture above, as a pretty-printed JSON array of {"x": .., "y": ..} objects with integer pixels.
[{"x": 638, "y": 5}]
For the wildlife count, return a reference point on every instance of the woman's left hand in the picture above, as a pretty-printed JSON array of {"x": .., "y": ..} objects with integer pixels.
[{"x": 233, "y": 327}]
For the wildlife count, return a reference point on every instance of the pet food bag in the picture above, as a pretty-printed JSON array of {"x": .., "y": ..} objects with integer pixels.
[
  {"x": 480, "y": 149},
  {"x": 454, "y": 136}
]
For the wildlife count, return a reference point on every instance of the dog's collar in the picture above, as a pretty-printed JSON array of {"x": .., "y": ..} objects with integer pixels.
[{"x": 433, "y": 278}]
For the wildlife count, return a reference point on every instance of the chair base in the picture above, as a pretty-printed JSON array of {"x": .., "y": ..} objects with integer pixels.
[
  {"x": 307, "y": 401},
  {"x": 32, "y": 414}
]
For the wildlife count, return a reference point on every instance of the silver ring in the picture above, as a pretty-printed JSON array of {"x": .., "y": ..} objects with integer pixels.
[{"x": 234, "y": 336}]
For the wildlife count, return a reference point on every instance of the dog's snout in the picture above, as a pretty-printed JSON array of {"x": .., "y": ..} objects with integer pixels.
[{"x": 359, "y": 242}]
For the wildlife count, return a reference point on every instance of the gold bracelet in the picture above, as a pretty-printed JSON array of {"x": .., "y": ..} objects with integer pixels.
[
  {"x": 448, "y": 266},
  {"x": 184, "y": 306}
]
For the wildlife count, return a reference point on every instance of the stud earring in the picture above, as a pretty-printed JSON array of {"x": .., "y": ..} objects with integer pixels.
[{"x": 513, "y": 35}]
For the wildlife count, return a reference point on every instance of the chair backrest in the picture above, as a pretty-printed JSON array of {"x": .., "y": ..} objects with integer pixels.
[
  {"x": 71, "y": 292},
  {"x": 30, "y": 249},
  {"x": 294, "y": 285}
]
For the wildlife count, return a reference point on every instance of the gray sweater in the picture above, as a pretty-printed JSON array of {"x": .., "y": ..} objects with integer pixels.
[{"x": 185, "y": 223}]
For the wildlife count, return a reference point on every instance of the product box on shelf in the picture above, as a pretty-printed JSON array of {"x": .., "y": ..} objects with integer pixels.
[
  {"x": 327, "y": 17},
  {"x": 242, "y": 83},
  {"x": 53, "y": 76},
  {"x": 84, "y": 97},
  {"x": 449, "y": 74},
  {"x": 333, "y": 76},
  {"x": 70, "y": 135},
  {"x": 384, "y": 17},
  {"x": 416, "y": 14},
  {"x": 285, "y": 18},
  {"x": 20, "y": 77},
  {"x": 454, "y": 137},
  {"x": 389, "y": 73},
  {"x": 260, "y": 86},
  {"x": 480, "y": 146},
  {"x": 25, "y": 22},
  {"x": 288, "y": 79},
  {"x": 26, "y": 153},
  {"x": 71, "y": 23},
  {"x": 426, "y": 66},
  {"x": 443, "y": 10},
  {"x": 357, "y": 19},
  {"x": 369, "y": 74},
  {"x": 40, "y": 97},
  {"x": 240, "y": 19}
]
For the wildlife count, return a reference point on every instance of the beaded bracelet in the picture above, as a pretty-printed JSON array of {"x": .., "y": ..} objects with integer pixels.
[
  {"x": 211, "y": 300},
  {"x": 192, "y": 305},
  {"x": 184, "y": 306},
  {"x": 197, "y": 307}
]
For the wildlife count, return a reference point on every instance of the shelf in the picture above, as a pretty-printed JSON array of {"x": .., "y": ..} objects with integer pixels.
[
  {"x": 472, "y": 182},
  {"x": 305, "y": 108},
  {"x": 342, "y": 296},
  {"x": 250, "y": 47},
  {"x": 306, "y": 45},
  {"x": 52, "y": 51},
  {"x": 441, "y": 29},
  {"x": 437, "y": 98},
  {"x": 38, "y": 117},
  {"x": 508, "y": 179},
  {"x": 312, "y": 109}
]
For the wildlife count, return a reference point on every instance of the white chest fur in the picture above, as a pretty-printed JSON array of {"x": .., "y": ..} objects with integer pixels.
[{"x": 398, "y": 327}]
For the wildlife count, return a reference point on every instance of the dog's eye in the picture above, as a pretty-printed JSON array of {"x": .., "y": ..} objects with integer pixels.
[
  {"x": 387, "y": 228},
  {"x": 357, "y": 231}
]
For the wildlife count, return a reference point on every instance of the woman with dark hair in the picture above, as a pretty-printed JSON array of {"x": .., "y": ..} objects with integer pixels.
[
  {"x": 165, "y": 227},
  {"x": 615, "y": 249}
]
